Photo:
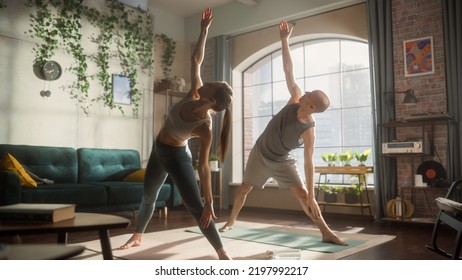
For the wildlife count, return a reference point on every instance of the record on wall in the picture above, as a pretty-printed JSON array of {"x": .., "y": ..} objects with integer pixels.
[{"x": 431, "y": 171}]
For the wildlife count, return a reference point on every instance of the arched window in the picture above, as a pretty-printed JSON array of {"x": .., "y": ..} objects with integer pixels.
[{"x": 339, "y": 67}]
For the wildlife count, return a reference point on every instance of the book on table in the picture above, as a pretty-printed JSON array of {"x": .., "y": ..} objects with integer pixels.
[{"x": 37, "y": 212}]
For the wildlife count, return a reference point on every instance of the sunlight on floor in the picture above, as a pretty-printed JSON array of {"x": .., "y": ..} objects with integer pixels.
[{"x": 353, "y": 229}]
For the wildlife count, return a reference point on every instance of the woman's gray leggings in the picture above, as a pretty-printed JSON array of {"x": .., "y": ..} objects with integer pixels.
[{"x": 176, "y": 162}]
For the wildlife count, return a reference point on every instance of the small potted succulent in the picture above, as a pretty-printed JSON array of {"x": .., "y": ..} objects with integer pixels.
[
  {"x": 362, "y": 157},
  {"x": 330, "y": 158},
  {"x": 330, "y": 192},
  {"x": 213, "y": 161},
  {"x": 346, "y": 158}
]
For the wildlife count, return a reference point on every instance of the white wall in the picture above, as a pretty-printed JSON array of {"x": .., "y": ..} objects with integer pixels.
[
  {"x": 28, "y": 118},
  {"x": 235, "y": 18}
]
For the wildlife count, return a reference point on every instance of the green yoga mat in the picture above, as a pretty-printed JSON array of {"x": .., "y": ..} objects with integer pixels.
[{"x": 287, "y": 239}]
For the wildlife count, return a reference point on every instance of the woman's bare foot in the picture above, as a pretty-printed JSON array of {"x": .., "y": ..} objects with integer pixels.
[
  {"x": 134, "y": 241},
  {"x": 223, "y": 255},
  {"x": 226, "y": 227},
  {"x": 332, "y": 238}
]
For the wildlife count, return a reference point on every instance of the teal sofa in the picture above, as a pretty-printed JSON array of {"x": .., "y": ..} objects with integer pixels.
[{"x": 90, "y": 178}]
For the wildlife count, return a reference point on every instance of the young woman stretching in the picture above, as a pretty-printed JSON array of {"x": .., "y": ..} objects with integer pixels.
[{"x": 171, "y": 156}]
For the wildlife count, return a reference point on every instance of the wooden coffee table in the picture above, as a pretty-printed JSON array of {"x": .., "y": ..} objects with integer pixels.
[{"x": 82, "y": 222}]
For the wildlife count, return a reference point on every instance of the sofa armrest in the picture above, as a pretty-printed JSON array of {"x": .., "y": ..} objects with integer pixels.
[{"x": 10, "y": 188}]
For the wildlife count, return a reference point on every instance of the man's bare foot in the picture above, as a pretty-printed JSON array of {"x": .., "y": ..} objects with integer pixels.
[
  {"x": 332, "y": 238},
  {"x": 226, "y": 227},
  {"x": 223, "y": 255},
  {"x": 134, "y": 241}
]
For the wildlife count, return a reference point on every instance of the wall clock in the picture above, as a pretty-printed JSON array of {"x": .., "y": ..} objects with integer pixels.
[{"x": 51, "y": 70}]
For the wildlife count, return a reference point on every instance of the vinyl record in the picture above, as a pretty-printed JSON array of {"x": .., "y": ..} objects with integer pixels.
[{"x": 431, "y": 171}]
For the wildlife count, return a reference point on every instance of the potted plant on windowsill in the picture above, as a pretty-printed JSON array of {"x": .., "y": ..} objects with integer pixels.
[
  {"x": 330, "y": 158},
  {"x": 213, "y": 162},
  {"x": 330, "y": 193},
  {"x": 346, "y": 158},
  {"x": 352, "y": 193},
  {"x": 362, "y": 157}
]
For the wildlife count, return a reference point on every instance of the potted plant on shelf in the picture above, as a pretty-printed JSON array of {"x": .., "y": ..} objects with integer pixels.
[
  {"x": 213, "y": 161},
  {"x": 330, "y": 158},
  {"x": 352, "y": 193},
  {"x": 362, "y": 157},
  {"x": 330, "y": 192},
  {"x": 346, "y": 158}
]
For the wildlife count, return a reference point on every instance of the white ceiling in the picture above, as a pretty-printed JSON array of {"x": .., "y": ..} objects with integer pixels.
[{"x": 186, "y": 8}]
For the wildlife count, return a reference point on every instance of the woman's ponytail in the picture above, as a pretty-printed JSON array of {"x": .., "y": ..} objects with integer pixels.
[{"x": 224, "y": 135}]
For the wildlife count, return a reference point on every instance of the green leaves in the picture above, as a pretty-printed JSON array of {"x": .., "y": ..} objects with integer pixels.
[
  {"x": 58, "y": 24},
  {"x": 168, "y": 55}
]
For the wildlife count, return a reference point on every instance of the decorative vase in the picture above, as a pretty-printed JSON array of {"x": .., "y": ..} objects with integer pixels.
[{"x": 213, "y": 164}]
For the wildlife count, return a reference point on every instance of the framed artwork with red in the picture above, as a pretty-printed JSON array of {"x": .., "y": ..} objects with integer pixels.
[{"x": 418, "y": 57}]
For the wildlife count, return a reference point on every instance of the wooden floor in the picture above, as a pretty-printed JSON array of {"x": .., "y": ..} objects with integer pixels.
[{"x": 409, "y": 244}]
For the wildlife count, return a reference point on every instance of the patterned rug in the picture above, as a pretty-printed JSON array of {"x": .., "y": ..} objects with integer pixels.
[{"x": 246, "y": 240}]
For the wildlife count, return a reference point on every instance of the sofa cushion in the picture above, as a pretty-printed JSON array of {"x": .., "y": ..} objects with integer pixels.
[
  {"x": 131, "y": 192},
  {"x": 83, "y": 195},
  {"x": 96, "y": 165},
  {"x": 136, "y": 176},
  {"x": 10, "y": 163},
  {"x": 55, "y": 163}
]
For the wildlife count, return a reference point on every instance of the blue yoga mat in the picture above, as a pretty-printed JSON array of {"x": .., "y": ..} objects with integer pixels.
[{"x": 300, "y": 241}]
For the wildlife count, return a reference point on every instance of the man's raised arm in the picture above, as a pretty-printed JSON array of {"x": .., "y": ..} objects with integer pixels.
[{"x": 295, "y": 92}]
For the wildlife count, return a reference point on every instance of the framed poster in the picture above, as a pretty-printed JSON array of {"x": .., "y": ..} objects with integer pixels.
[
  {"x": 418, "y": 57},
  {"x": 121, "y": 92}
]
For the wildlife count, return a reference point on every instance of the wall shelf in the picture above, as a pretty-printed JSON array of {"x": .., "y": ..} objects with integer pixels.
[
  {"x": 425, "y": 122},
  {"x": 360, "y": 171}
]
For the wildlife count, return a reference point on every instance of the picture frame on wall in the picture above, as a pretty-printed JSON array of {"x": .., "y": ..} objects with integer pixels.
[
  {"x": 121, "y": 91},
  {"x": 418, "y": 57}
]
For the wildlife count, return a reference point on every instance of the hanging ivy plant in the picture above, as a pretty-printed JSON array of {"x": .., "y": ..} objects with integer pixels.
[
  {"x": 168, "y": 56},
  {"x": 107, "y": 25},
  {"x": 130, "y": 30},
  {"x": 61, "y": 28}
]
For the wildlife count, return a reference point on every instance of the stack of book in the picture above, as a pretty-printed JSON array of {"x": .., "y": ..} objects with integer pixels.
[{"x": 37, "y": 212}]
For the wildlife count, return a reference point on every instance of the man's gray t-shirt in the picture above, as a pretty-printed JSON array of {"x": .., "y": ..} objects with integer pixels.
[{"x": 282, "y": 134}]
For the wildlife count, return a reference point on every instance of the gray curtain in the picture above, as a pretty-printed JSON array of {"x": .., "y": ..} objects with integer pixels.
[
  {"x": 452, "y": 22},
  {"x": 379, "y": 16},
  {"x": 222, "y": 72}
]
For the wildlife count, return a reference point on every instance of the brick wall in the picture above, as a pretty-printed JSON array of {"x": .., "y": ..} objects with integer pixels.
[{"x": 416, "y": 19}]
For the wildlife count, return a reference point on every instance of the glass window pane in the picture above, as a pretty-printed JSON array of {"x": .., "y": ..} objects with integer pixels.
[
  {"x": 322, "y": 57},
  {"x": 331, "y": 86},
  {"x": 281, "y": 96},
  {"x": 253, "y": 127},
  {"x": 357, "y": 126},
  {"x": 257, "y": 101},
  {"x": 296, "y": 52},
  {"x": 354, "y": 55},
  {"x": 278, "y": 70},
  {"x": 328, "y": 129},
  {"x": 338, "y": 67},
  {"x": 259, "y": 73},
  {"x": 356, "y": 88}
]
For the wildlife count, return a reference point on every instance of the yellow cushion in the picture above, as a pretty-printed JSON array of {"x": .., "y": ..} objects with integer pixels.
[
  {"x": 9, "y": 163},
  {"x": 136, "y": 176}
]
